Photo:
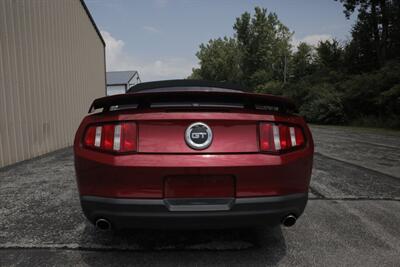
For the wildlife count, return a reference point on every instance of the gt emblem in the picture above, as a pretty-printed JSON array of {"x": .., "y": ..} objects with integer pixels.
[{"x": 198, "y": 135}]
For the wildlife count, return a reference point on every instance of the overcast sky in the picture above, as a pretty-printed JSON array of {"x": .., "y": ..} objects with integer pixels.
[{"x": 159, "y": 38}]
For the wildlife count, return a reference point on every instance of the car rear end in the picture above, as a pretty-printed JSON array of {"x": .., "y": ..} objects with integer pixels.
[{"x": 192, "y": 157}]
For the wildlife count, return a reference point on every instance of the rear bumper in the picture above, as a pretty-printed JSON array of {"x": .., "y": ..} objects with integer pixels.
[{"x": 193, "y": 214}]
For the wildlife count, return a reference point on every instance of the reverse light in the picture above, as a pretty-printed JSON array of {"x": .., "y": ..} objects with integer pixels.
[
  {"x": 112, "y": 137},
  {"x": 280, "y": 137}
]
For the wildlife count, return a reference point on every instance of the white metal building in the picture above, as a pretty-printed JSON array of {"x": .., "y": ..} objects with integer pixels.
[{"x": 52, "y": 66}]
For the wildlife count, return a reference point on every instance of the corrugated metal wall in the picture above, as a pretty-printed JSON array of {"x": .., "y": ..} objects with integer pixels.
[{"x": 52, "y": 66}]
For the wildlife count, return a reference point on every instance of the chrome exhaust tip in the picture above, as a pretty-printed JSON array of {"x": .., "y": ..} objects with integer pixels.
[
  {"x": 289, "y": 220},
  {"x": 103, "y": 224}
]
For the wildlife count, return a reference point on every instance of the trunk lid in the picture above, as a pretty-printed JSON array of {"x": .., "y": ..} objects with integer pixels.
[{"x": 228, "y": 136}]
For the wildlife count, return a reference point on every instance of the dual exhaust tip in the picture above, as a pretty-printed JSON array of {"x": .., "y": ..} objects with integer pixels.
[
  {"x": 105, "y": 225},
  {"x": 289, "y": 220}
]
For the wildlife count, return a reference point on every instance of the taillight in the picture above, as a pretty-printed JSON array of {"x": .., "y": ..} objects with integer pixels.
[
  {"x": 112, "y": 137},
  {"x": 128, "y": 137},
  {"x": 90, "y": 136},
  {"x": 107, "y": 138},
  {"x": 280, "y": 137}
]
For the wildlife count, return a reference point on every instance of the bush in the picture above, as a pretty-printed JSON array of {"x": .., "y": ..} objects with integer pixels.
[
  {"x": 272, "y": 87},
  {"x": 374, "y": 94},
  {"x": 323, "y": 105},
  {"x": 368, "y": 99}
]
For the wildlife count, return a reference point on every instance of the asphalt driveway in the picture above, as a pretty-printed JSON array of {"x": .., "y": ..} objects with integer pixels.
[{"x": 352, "y": 217}]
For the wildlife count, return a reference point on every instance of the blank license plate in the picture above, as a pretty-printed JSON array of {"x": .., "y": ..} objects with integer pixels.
[{"x": 203, "y": 186}]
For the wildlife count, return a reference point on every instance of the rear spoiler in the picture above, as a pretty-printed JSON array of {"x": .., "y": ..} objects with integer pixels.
[{"x": 144, "y": 99}]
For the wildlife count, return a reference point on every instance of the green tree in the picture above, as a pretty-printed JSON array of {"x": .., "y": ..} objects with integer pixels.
[
  {"x": 360, "y": 53},
  {"x": 303, "y": 61},
  {"x": 377, "y": 28},
  {"x": 329, "y": 54},
  {"x": 265, "y": 45},
  {"x": 219, "y": 61}
]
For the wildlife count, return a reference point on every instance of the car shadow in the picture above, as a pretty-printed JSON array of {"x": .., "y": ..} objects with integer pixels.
[{"x": 203, "y": 247}]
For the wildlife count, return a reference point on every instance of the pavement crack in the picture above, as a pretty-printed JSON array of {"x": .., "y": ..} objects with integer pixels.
[
  {"x": 355, "y": 165},
  {"x": 356, "y": 199},
  {"x": 354, "y": 140},
  {"x": 316, "y": 193},
  {"x": 75, "y": 247}
]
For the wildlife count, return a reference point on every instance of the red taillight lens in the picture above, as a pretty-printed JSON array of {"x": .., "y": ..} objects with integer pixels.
[
  {"x": 128, "y": 137},
  {"x": 107, "y": 138},
  {"x": 279, "y": 137},
  {"x": 266, "y": 137},
  {"x": 113, "y": 137},
  {"x": 284, "y": 136},
  {"x": 90, "y": 136}
]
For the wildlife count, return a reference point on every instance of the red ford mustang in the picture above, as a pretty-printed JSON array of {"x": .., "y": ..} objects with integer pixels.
[{"x": 192, "y": 154}]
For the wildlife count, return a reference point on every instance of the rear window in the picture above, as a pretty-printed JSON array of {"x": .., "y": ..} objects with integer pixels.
[{"x": 195, "y": 104}]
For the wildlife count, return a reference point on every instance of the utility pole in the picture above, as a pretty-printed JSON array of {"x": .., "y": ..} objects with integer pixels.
[{"x": 285, "y": 69}]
